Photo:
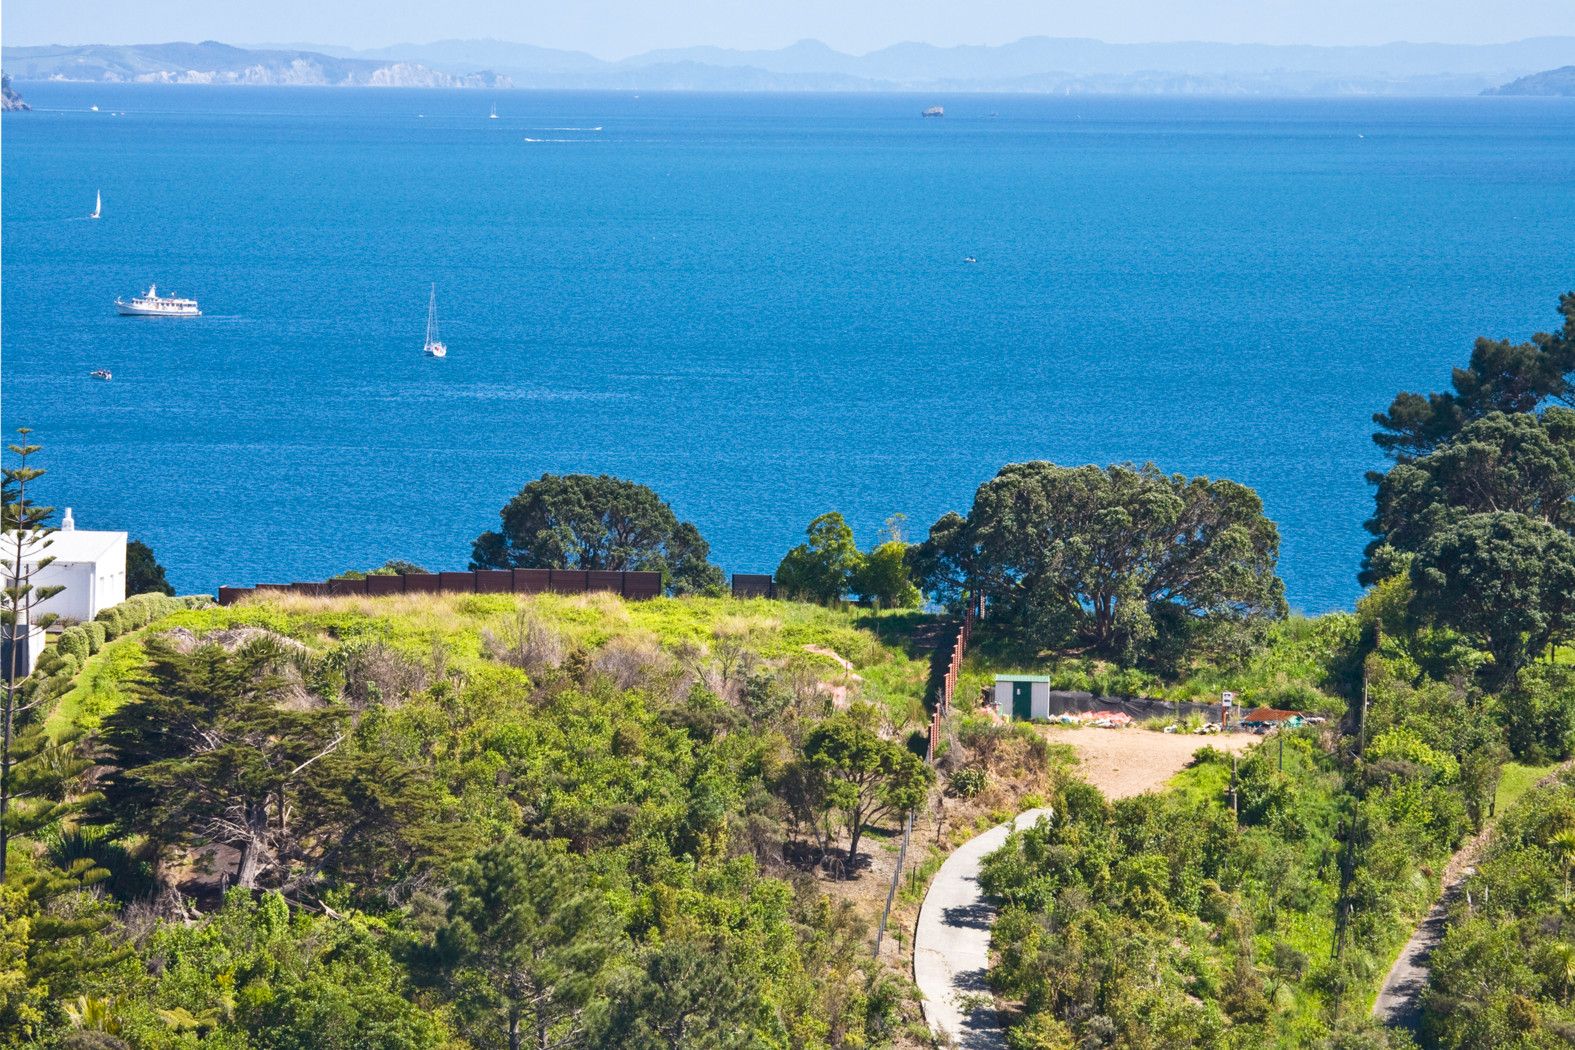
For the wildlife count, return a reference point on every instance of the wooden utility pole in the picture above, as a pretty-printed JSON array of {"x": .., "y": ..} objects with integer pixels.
[{"x": 1235, "y": 808}]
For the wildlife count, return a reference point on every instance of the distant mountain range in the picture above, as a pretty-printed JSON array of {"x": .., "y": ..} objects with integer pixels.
[
  {"x": 1034, "y": 64},
  {"x": 1552, "y": 82}
]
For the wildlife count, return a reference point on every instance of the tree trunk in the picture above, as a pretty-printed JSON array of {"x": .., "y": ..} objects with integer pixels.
[
  {"x": 854, "y": 835},
  {"x": 514, "y": 1028},
  {"x": 252, "y": 849}
]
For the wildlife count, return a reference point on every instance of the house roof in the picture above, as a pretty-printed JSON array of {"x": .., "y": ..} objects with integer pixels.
[
  {"x": 1022, "y": 678},
  {"x": 73, "y": 545}
]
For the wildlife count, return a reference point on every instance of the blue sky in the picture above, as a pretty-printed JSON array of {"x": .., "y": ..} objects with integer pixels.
[{"x": 617, "y": 28}]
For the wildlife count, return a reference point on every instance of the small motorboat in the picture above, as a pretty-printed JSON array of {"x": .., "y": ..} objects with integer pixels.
[
  {"x": 970, "y": 259},
  {"x": 93, "y": 109},
  {"x": 101, "y": 373}
]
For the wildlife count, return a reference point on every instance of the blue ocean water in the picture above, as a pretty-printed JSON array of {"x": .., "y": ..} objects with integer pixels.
[{"x": 758, "y": 305}]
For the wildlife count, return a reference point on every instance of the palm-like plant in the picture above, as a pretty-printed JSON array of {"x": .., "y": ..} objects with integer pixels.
[
  {"x": 1563, "y": 846},
  {"x": 95, "y": 1014},
  {"x": 1558, "y": 965}
]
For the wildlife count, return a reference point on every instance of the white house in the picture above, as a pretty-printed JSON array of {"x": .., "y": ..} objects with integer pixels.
[{"x": 90, "y": 566}]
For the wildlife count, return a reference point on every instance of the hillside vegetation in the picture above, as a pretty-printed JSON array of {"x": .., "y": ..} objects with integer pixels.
[{"x": 387, "y": 783}]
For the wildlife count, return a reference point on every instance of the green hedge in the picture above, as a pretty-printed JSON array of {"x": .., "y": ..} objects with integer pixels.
[
  {"x": 140, "y": 610},
  {"x": 74, "y": 641}
]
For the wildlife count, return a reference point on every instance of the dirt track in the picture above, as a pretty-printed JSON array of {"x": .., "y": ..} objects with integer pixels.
[{"x": 1130, "y": 761}]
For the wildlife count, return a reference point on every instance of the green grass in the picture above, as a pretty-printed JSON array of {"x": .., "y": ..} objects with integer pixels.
[
  {"x": 1515, "y": 779},
  {"x": 100, "y": 686},
  {"x": 416, "y": 626}
]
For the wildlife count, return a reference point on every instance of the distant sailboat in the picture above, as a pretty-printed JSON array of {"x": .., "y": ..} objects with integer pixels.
[
  {"x": 494, "y": 114},
  {"x": 98, "y": 205},
  {"x": 434, "y": 347}
]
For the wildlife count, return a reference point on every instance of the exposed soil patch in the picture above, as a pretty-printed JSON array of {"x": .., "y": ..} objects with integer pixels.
[{"x": 1127, "y": 762}]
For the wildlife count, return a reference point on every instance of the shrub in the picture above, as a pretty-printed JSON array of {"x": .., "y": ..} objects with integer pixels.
[
  {"x": 69, "y": 665},
  {"x": 97, "y": 636},
  {"x": 73, "y": 641},
  {"x": 968, "y": 782},
  {"x": 110, "y": 618},
  {"x": 1539, "y": 714}
]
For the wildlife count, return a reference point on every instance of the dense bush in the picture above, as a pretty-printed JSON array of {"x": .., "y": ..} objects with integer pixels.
[
  {"x": 653, "y": 776},
  {"x": 1539, "y": 713}
]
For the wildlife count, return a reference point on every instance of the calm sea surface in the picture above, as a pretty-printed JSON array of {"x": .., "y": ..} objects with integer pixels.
[{"x": 758, "y": 305}]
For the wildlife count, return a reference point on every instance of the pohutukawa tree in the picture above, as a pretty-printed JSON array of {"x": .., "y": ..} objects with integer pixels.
[
  {"x": 25, "y": 538},
  {"x": 584, "y": 521},
  {"x": 1122, "y": 562}
]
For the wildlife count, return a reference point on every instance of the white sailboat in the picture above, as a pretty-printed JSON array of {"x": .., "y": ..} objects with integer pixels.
[
  {"x": 98, "y": 205},
  {"x": 434, "y": 347},
  {"x": 494, "y": 114}
]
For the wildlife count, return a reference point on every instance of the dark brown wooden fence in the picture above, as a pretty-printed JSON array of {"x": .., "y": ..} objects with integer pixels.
[
  {"x": 479, "y": 581},
  {"x": 637, "y": 585},
  {"x": 753, "y": 585}
]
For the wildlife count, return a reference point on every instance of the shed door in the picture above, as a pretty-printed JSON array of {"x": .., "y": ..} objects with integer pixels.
[{"x": 1023, "y": 700}]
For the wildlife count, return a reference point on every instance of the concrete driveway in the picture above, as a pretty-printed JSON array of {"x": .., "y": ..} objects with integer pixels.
[{"x": 951, "y": 947}]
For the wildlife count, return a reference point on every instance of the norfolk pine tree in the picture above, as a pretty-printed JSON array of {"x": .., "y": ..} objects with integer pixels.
[{"x": 26, "y": 532}]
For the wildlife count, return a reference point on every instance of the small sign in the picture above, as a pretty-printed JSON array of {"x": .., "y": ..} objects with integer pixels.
[{"x": 1227, "y": 698}]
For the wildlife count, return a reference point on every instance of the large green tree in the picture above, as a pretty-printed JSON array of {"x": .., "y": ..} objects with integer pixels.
[
  {"x": 144, "y": 574},
  {"x": 1505, "y": 579},
  {"x": 1124, "y": 562},
  {"x": 864, "y": 776},
  {"x": 584, "y": 521},
  {"x": 885, "y": 578},
  {"x": 208, "y": 752},
  {"x": 525, "y": 939},
  {"x": 1501, "y": 377},
  {"x": 822, "y": 568},
  {"x": 24, "y": 552},
  {"x": 1519, "y": 463},
  {"x": 686, "y": 995}
]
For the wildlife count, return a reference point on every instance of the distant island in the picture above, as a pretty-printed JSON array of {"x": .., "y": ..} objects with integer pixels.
[
  {"x": 1037, "y": 65},
  {"x": 213, "y": 63},
  {"x": 1551, "y": 82},
  {"x": 10, "y": 101}
]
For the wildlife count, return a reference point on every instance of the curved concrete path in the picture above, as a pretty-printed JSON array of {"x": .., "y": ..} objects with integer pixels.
[
  {"x": 951, "y": 946},
  {"x": 1399, "y": 1002}
]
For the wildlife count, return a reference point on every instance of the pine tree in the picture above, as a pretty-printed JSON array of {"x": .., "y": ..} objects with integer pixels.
[{"x": 24, "y": 536}]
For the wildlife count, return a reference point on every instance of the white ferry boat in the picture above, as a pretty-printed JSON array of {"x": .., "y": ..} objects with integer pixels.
[{"x": 151, "y": 305}]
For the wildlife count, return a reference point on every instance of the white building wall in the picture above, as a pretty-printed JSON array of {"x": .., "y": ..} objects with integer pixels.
[
  {"x": 75, "y": 601},
  {"x": 1039, "y": 698},
  {"x": 89, "y": 566},
  {"x": 1003, "y": 699},
  {"x": 109, "y": 579}
]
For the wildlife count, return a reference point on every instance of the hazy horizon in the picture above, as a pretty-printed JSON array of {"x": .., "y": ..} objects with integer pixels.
[{"x": 616, "y": 29}]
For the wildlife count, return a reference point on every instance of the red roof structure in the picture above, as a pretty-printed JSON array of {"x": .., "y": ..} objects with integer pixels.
[{"x": 1271, "y": 714}]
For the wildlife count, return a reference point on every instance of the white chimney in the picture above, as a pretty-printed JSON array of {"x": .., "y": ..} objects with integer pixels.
[{"x": 68, "y": 523}]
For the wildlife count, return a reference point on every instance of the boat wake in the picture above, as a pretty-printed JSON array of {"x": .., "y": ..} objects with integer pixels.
[
  {"x": 528, "y": 139},
  {"x": 596, "y": 128}
]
